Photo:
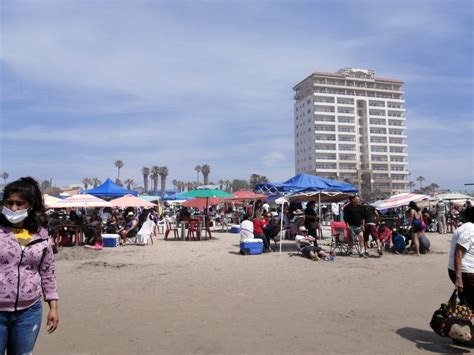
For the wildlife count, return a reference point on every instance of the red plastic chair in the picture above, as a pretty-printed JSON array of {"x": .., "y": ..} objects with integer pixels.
[
  {"x": 169, "y": 229},
  {"x": 208, "y": 228},
  {"x": 194, "y": 231}
]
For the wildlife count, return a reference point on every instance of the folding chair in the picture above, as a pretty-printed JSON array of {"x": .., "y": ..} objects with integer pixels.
[
  {"x": 170, "y": 228},
  {"x": 339, "y": 238}
]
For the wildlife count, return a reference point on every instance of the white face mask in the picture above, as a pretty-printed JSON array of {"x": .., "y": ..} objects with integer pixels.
[{"x": 14, "y": 217}]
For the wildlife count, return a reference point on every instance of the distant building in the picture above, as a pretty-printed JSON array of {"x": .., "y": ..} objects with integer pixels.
[{"x": 350, "y": 125}]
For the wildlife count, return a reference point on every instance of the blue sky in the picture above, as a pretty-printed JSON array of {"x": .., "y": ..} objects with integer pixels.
[{"x": 184, "y": 83}]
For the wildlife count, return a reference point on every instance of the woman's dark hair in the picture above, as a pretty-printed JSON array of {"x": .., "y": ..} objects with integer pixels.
[
  {"x": 27, "y": 188},
  {"x": 469, "y": 214},
  {"x": 143, "y": 217},
  {"x": 246, "y": 217},
  {"x": 413, "y": 205}
]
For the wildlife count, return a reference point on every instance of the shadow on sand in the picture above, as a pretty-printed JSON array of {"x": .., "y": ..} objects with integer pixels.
[{"x": 429, "y": 341}]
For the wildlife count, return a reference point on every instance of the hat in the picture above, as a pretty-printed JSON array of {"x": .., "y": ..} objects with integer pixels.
[
  {"x": 298, "y": 212},
  {"x": 302, "y": 229},
  {"x": 130, "y": 213},
  {"x": 274, "y": 214}
]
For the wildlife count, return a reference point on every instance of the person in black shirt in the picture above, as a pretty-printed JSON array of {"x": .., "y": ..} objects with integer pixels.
[
  {"x": 311, "y": 219},
  {"x": 355, "y": 218}
]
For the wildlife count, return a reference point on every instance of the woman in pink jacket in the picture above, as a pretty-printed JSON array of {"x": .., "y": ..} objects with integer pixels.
[{"x": 26, "y": 268}]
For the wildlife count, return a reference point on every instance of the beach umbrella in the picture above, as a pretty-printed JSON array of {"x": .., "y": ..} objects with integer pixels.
[
  {"x": 207, "y": 193},
  {"x": 248, "y": 195},
  {"x": 399, "y": 200},
  {"x": 131, "y": 201},
  {"x": 49, "y": 200},
  {"x": 81, "y": 200},
  {"x": 452, "y": 196},
  {"x": 201, "y": 202}
]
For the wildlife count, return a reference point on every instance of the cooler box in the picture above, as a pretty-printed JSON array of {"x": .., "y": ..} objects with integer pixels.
[
  {"x": 110, "y": 240},
  {"x": 235, "y": 229},
  {"x": 252, "y": 246}
]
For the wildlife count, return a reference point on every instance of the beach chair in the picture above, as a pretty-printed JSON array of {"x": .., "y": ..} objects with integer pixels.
[
  {"x": 145, "y": 233},
  {"x": 170, "y": 228},
  {"x": 339, "y": 237}
]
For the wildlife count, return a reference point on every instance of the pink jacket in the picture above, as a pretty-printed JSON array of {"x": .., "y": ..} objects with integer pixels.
[{"x": 25, "y": 273}]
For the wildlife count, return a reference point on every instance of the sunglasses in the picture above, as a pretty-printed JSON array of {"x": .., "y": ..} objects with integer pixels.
[{"x": 17, "y": 203}]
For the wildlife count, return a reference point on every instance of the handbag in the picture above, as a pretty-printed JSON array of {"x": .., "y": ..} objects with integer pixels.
[{"x": 449, "y": 312}]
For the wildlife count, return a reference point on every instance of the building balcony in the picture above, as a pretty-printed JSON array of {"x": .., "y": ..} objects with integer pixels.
[
  {"x": 374, "y": 122},
  {"x": 325, "y": 139}
]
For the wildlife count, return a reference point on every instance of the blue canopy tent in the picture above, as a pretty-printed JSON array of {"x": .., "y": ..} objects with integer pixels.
[
  {"x": 305, "y": 187},
  {"x": 110, "y": 190},
  {"x": 177, "y": 197},
  {"x": 305, "y": 183}
]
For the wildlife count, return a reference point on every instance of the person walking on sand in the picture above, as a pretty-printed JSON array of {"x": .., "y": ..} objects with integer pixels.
[
  {"x": 26, "y": 268},
  {"x": 415, "y": 225},
  {"x": 461, "y": 259},
  {"x": 441, "y": 216}
]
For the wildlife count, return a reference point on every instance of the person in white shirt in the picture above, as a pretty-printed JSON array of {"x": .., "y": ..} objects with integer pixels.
[
  {"x": 461, "y": 259},
  {"x": 306, "y": 244},
  {"x": 246, "y": 229}
]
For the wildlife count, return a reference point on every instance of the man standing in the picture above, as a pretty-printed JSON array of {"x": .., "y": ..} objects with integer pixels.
[
  {"x": 311, "y": 219},
  {"x": 355, "y": 219},
  {"x": 372, "y": 218},
  {"x": 441, "y": 216}
]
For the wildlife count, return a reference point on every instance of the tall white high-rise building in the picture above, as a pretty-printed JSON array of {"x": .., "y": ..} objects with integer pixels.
[{"x": 350, "y": 125}]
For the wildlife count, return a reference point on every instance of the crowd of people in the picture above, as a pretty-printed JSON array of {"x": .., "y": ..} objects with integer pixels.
[{"x": 25, "y": 223}]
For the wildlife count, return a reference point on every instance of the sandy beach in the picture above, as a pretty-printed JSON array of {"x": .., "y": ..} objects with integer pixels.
[{"x": 202, "y": 297}]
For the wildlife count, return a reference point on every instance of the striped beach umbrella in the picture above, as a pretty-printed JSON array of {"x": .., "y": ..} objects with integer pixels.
[{"x": 399, "y": 200}]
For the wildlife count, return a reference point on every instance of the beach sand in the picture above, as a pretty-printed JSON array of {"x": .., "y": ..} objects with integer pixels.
[{"x": 202, "y": 297}]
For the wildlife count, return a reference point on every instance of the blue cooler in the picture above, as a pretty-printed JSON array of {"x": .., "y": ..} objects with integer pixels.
[
  {"x": 235, "y": 229},
  {"x": 251, "y": 246},
  {"x": 110, "y": 240}
]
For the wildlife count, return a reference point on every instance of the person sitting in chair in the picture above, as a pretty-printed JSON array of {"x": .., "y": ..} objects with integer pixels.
[
  {"x": 129, "y": 229},
  {"x": 308, "y": 246}
]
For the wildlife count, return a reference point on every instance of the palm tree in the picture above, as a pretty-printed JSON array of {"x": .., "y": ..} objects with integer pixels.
[
  {"x": 175, "y": 183},
  {"x": 205, "y": 170},
  {"x": 155, "y": 171},
  {"x": 146, "y": 173},
  {"x": 5, "y": 177},
  {"x": 420, "y": 179},
  {"x": 411, "y": 185},
  {"x": 433, "y": 187},
  {"x": 163, "y": 172},
  {"x": 198, "y": 170},
  {"x": 86, "y": 181},
  {"x": 96, "y": 182},
  {"x": 118, "y": 165},
  {"x": 129, "y": 183},
  {"x": 221, "y": 184}
]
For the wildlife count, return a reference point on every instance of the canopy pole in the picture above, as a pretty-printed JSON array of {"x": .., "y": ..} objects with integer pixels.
[
  {"x": 319, "y": 214},
  {"x": 281, "y": 226}
]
